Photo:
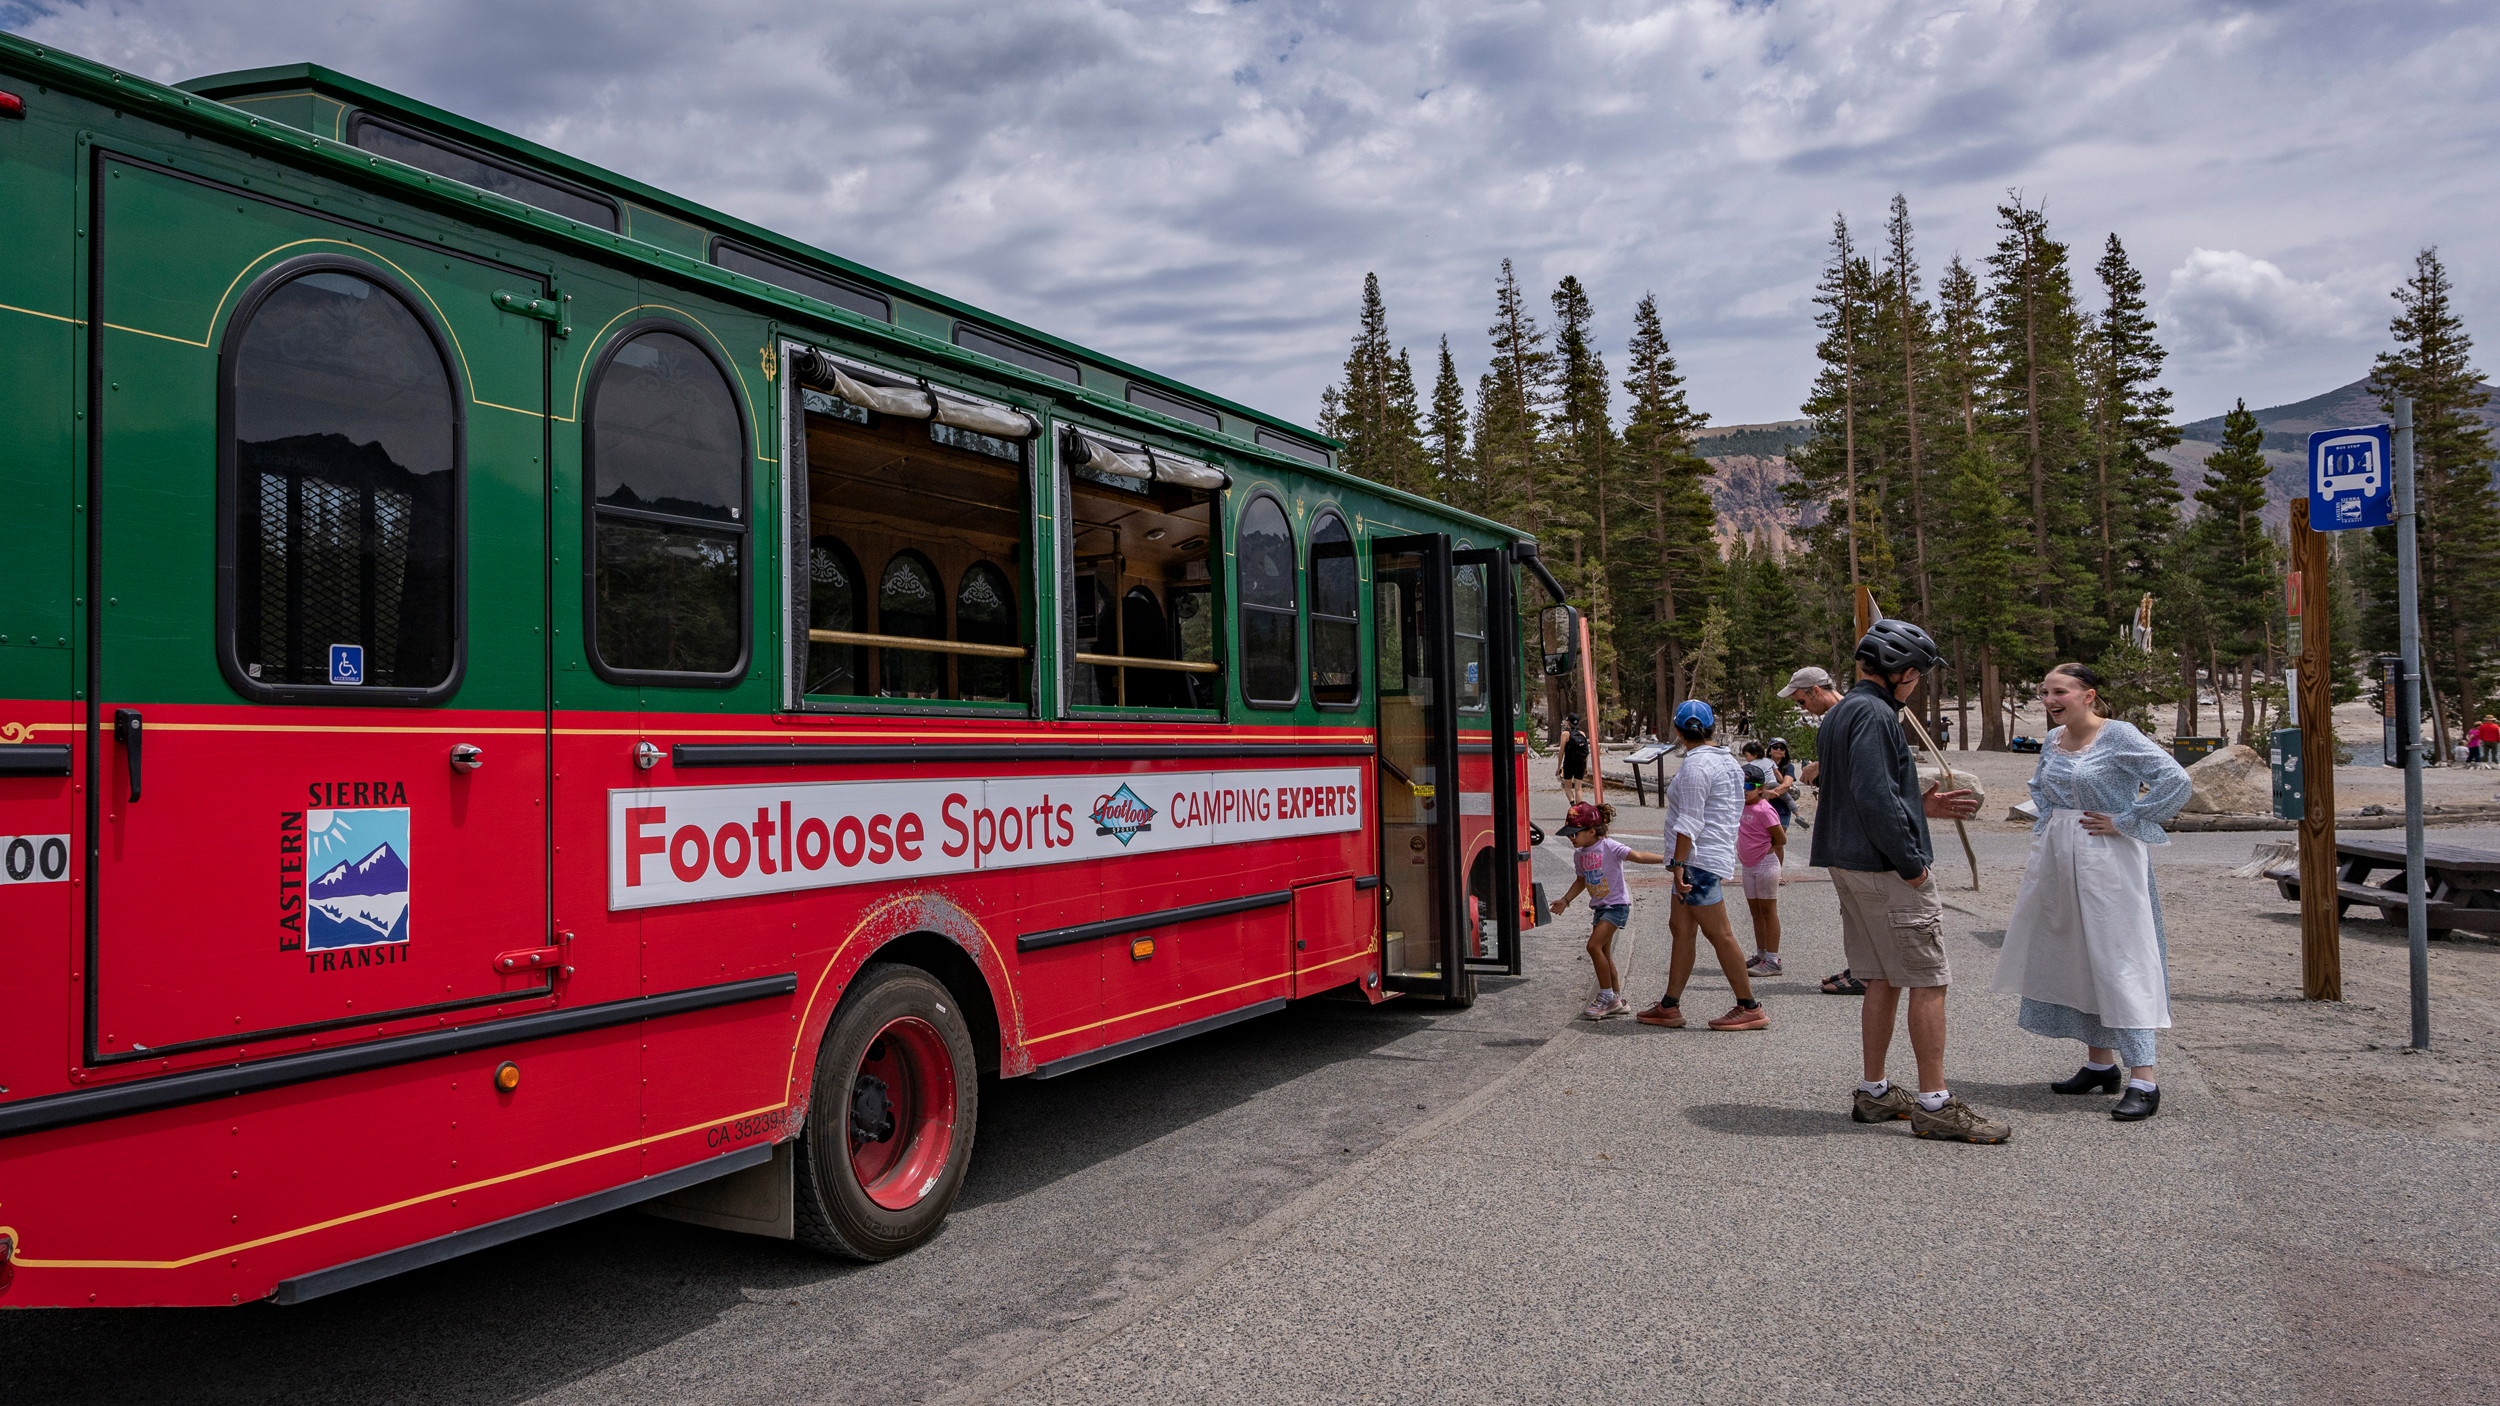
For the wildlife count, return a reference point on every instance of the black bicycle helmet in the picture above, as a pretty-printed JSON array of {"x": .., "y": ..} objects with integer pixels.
[{"x": 1892, "y": 646}]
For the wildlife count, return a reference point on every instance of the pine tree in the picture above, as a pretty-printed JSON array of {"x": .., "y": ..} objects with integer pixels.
[
  {"x": 1373, "y": 411},
  {"x": 1513, "y": 403},
  {"x": 2138, "y": 498},
  {"x": 2235, "y": 558},
  {"x": 1447, "y": 437},
  {"x": 1977, "y": 537},
  {"x": 2039, "y": 409},
  {"x": 2457, "y": 549},
  {"x": 1679, "y": 567}
]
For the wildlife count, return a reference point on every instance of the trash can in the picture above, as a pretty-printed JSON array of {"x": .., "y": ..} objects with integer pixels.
[
  {"x": 2190, "y": 750},
  {"x": 2285, "y": 756}
]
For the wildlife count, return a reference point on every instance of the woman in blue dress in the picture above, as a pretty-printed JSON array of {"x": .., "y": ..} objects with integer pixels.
[{"x": 2085, "y": 948}]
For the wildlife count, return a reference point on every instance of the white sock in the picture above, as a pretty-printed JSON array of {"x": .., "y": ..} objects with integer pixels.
[
  {"x": 1933, "y": 1101},
  {"x": 2146, "y": 1085},
  {"x": 1876, "y": 1089},
  {"x": 1606, "y": 994},
  {"x": 2098, "y": 1068}
]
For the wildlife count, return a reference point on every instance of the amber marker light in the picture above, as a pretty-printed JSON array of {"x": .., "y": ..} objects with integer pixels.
[
  {"x": 507, "y": 1076},
  {"x": 1141, "y": 948}
]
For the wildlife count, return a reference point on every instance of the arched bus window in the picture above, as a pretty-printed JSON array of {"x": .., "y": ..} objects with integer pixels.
[
  {"x": 342, "y": 467},
  {"x": 1336, "y": 621},
  {"x": 837, "y": 599},
  {"x": 908, "y": 605},
  {"x": 985, "y": 613},
  {"x": 1467, "y": 623},
  {"x": 1263, "y": 549},
  {"x": 667, "y": 456}
]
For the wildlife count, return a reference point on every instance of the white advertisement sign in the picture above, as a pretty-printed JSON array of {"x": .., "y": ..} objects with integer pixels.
[{"x": 689, "y": 844}]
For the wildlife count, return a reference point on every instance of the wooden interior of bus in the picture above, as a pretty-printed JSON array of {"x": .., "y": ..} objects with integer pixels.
[
  {"x": 1141, "y": 592},
  {"x": 911, "y": 538}
]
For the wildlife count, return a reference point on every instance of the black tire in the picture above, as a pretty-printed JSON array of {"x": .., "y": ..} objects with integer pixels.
[{"x": 835, "y": 1213}]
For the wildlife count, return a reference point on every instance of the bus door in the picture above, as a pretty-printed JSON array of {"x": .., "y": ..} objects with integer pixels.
[
  {"x": 317, "y": 613},
  {"x": 1485, "y": 652},
  {"x": 1422, "y": 902}
]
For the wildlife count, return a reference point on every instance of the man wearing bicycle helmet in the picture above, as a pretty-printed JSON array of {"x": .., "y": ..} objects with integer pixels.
[{"x": 1872, "y": 835}]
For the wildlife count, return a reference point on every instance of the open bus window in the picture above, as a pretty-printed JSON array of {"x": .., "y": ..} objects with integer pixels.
[
  {"x": 1467, "y": 624},
  {"x": 920, "y": 532},
  {"x": 1140, "y": 616},
  {"x": 345, "y": 460},
  {"x": 1270, "y": 669},
  {"x": 1336, "y": 622},
  {"x": 668, "y": 455}
]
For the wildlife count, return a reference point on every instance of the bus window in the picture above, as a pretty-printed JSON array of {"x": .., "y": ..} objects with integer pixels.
[
  {"x": 937, "y": 518},
  {"x": 1467, "y": 624},
  {"x": 835, "y": 601},
  {"x": 985, "y": 613},
  {"x": 667, "y": 452},
  {"x": 1139, "y": 618},
  {"x": 346, "y": 465},
  {"x": 1263, "y": 548},
  {"x": 1336, "y": 668}
]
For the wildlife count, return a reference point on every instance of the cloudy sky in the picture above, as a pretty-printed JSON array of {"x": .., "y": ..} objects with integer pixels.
[{"x": 1200, "y": 186}]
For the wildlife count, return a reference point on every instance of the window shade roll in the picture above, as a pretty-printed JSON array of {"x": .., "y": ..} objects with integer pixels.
[
  {"x": 913, "y": 402},
  {"x": 1085, "y": 451}
]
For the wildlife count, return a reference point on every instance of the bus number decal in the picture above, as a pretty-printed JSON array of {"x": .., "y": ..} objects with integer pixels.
[
  {"x": 691, "y": 844},
  {"x": 33, "y": 859}
]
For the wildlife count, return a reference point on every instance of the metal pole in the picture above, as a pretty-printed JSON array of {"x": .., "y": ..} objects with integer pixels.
[{"x": 2409, "y": 618}]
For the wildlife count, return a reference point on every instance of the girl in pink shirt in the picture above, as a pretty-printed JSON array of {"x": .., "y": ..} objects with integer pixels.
[{"x": 1761, "y": 847}]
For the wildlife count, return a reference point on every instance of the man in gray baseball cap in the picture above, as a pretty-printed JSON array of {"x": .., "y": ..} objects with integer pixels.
[{"x": 1813, "y": 689}]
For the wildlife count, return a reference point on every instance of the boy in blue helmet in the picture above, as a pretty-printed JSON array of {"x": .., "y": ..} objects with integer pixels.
[{"x": 1705, "y": 806}]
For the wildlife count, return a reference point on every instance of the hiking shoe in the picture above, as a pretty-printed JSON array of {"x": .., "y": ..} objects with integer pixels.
[
  {"x": 1957, "y": 1120},
  {"x": 1894, "y": 1102},
  {"x": 1606, "y": 1007},
  {"x": 1764, "y": 964},
  {"x": 1672, "y": 1017},
  {"x": 1739, "y": 1018}
]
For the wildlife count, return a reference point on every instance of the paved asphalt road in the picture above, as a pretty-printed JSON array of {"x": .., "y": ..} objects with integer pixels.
[{"x": 1083, "y": 1190}]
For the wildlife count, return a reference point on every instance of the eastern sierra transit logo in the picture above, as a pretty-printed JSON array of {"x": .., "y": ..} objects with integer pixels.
[{"x": 1122, "y": 815}]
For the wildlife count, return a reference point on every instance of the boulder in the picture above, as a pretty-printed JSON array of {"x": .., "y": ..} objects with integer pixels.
[
  {"x": 1963, "y": 780},
  {"x": 2233, "y": 781}
]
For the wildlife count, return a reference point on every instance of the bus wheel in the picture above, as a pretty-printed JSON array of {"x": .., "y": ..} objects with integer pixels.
[{"x": 889, "y": 1126}]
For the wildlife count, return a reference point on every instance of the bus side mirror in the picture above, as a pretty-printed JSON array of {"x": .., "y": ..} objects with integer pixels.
[{"x": 1559, "y": 627}]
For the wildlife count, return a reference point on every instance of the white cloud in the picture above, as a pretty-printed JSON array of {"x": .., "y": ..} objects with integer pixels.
[{"x": 2230, "y": 310}]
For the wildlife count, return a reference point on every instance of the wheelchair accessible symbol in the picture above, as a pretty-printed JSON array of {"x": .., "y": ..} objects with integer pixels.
[{"x": 347, "y": 663}]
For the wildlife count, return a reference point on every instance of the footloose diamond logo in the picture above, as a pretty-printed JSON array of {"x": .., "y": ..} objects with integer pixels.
[{"x": 1123, "y": 815}]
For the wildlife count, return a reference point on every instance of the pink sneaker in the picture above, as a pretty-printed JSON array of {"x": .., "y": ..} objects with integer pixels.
[{"x": 1739, "y": 1018}]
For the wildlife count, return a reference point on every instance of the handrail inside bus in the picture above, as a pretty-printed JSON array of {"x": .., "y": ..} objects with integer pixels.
[
  {"x": 987, "y": 651},
  {"x": 1130, "y": 661}
]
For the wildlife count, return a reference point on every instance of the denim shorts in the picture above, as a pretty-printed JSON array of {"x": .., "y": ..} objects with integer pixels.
[
  {"x": 1619, "y": 914},
  {"x": 1705, "y": 887}
]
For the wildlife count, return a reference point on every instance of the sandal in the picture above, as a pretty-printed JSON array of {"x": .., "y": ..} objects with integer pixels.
[{"x": 1841, "y": 983}]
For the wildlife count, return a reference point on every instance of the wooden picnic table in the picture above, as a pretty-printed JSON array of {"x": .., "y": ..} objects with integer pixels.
[{"x": 2464, "y": 883}]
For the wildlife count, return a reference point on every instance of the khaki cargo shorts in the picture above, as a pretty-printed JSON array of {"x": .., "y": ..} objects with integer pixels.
[{"x": 1891, "y": 931}]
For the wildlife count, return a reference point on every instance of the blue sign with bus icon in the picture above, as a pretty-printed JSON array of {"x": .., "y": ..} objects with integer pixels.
[{"x": 2350, "y": 482}]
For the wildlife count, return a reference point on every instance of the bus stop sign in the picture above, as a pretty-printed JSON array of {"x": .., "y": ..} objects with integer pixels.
[{"x": 2351, "y": 483}]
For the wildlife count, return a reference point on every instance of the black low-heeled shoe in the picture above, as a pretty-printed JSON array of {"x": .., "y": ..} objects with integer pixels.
[
  {"x": 2088, "y": 1080},
  {"x": 2136, "y": 1105}
]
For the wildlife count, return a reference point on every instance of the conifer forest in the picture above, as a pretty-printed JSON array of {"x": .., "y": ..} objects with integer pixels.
[{"x": 1986, "y": 446}]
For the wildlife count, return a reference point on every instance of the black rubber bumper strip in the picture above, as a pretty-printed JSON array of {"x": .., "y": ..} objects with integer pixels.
[
  {"x": 1168, "y": 917},
  {"x": 34, "y": 759},
  {"x": 198, "y": 1086},
  {"x": 694, "y": 754},
  {"x": 462, "y": 1242}
]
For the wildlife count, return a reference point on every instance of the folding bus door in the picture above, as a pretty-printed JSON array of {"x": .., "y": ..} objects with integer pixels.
[
  {"x": 1422, "y": 901},
  {"x": 1484, "y": 623},
  {"x": 316, "y": 609}
]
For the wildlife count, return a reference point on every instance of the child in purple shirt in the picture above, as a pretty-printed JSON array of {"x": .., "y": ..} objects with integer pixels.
[{"x": 1597, "y": 867}]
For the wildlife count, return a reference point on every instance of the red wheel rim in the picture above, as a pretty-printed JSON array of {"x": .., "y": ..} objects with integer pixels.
[{"x": 901, "y": 1115}]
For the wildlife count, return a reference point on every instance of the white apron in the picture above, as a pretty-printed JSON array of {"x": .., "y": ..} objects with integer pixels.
[{"x": 2082, "y": 931}]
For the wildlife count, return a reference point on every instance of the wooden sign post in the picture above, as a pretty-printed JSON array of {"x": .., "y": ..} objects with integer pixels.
[{"x": 2321, "y": 930}]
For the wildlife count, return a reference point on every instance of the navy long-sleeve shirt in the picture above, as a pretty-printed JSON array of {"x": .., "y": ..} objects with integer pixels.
[{"x": 1871, "y": 818}]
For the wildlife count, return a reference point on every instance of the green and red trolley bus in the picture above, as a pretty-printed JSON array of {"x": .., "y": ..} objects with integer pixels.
[{"x": 521, "y": 695}]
